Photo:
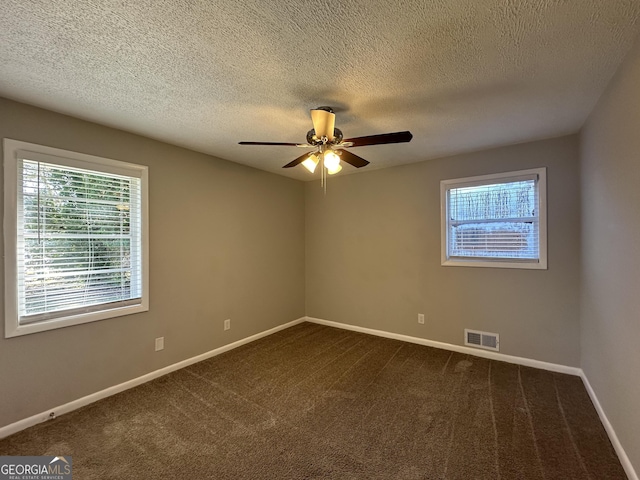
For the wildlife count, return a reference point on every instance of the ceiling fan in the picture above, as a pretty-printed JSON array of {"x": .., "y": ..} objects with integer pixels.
[{"x": 329, "y": 145}]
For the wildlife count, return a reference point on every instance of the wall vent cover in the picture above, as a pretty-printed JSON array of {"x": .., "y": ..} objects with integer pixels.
[{"x": 486, "y": 340}]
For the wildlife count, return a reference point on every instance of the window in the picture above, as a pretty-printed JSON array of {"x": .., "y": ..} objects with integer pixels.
[
  {"x": 75, "y": 238},
  {"x": 495, "y": 220}
]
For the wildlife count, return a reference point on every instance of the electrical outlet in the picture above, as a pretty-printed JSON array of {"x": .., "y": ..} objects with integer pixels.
[
  {"x": 227, "y": 324},
  {"x": 421, "y": 318},
  {"x": 159, "y": 344}
]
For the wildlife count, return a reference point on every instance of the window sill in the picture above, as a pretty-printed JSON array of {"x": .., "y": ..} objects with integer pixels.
[
  {"x": 12, "y": 329},
  {"x": 540, "y": 265}
]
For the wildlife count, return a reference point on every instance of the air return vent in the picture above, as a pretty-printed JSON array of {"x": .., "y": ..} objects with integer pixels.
[{"x": 475, "y": 338}]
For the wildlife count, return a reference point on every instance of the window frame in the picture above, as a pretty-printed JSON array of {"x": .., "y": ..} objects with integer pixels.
[
  {"x": 13, "y": 151},
  {"x": 491, "y": 179}
]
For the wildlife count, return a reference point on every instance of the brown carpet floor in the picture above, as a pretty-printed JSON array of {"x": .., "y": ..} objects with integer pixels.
[{"x": 313, "y": 402}]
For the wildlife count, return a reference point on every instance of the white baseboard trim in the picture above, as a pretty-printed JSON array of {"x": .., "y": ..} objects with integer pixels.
[
  {"x": 553, "y": 367},
  {"x": 622, "y": 455},
  {"x": 528, "y": 362},
  {"x": 107, "y": 392}
]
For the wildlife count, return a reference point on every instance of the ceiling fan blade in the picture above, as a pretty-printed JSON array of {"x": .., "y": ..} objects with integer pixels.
[
  {"x": 352, "y": 159},
  {"x": 269, "y": 143},
  {"x": 297, "y": 161},
  {"x": 324, "y": 123},
  {"x": 397, "y": 137}
]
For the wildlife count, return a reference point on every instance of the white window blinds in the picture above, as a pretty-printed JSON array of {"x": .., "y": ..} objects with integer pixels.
[
  {"x": 496, "y": 218},
  {"x": 78, "y": 240}
]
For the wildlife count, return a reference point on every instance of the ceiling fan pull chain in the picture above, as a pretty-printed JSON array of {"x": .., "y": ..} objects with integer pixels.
[{"x": 324, "y": 174}]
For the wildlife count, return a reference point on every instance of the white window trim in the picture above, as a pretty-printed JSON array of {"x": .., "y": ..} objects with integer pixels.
[
  {"x": 504, "y": 177},
  {"x": 12, "y": 149}
]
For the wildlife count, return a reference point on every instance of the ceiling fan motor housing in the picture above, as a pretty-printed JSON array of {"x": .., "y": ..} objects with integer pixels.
[{"x": 312, "y": 138}]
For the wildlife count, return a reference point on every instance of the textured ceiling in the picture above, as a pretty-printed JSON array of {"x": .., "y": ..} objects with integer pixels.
[{"x": 462, "y": 75}]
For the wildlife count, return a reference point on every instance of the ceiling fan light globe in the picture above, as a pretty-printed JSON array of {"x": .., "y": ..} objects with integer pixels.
[
  {"x": 331, "y": 160},
  {"x": 333, "y": 171},
  {"x": 310, "y": 163}
]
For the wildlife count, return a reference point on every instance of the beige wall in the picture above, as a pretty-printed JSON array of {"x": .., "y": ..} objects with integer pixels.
[
  {"x": 226, "y": 241},
  {"x": 373, "y": 256},
  {"x": 610, "y": 156}
]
